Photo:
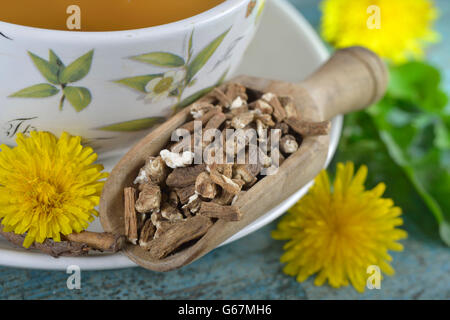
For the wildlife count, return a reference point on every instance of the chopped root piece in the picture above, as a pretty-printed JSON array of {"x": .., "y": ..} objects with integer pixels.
[
  {"x": 183, "y": 177},
  {"x": 199, "y": 109},
  {"x": 214, "y": 210},
  {"x": 288, "y": 144},
  {"x": 147, "y": 234},
  {"x": 190, "y": 126},
  {"x": 235, "y": 112},
  {"x": 237, "y": 103},
  {"x": 103, "y": 241},
  {"x": 173, "y": 199},
  {"x": 263, "y": 106},
  {"x": 288, "y": 105},
  {"x": 185, "y": 193},
  {"x": 278, "y": 111},
  {"x": 241, "y": 120},
  {"x": 236, "y": 90},
  {"x": 266, "y": 119},
  {"x": 205, "y": 187},
  {"x": 192, "y": 206},
  {"x": 178, "y": 234},
  {"x": 226, "y": 169},
  {"x": 283, "y": 127},
  {"x": 131, "y": 231},
  {"x": 225, "y": 198},
  {"x": 223, "y": 99},
  {"x": 170, "y": 213},
  {"x": 246, "y": 172},
  {"x": 154, "y": 170},
  {"x": 307, "y": 128},
  {"x": 162, "y": 227},
  {"x": 149, "y": 198},
  {"x": 215, "y": 121},
  {"x": 232, "y": 186},
  {"x": 156, "y": 218}
]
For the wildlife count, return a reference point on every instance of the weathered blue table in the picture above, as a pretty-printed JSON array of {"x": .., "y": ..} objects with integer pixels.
[{"x": 249, "y": 268}]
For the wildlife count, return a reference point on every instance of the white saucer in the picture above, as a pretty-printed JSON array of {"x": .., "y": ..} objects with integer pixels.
[{"x": 285, "y": 47}]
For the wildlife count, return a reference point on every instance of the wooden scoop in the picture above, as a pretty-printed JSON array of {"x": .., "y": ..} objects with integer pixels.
[{"x": 352, "y": 79}]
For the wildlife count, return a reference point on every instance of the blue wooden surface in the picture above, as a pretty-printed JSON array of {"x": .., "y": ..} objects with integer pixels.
[{"x": 250, "y": 268}]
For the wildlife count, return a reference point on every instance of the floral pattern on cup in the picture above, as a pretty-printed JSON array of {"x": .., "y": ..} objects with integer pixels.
[
  {"x": 57, "y": 74},
  {"x": 182, "y": 74},
  {"x": 181, "y": 66},
  {"x": 157, "y": 87},
  {"x": 161, "y": 87}
]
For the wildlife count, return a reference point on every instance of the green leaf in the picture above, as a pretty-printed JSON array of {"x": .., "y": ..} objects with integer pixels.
[
  {"x": 418, "y": 83},
  {"x": 41, "y": 90},
  {"x": 133, "y": 125},
  {"x": 78, "y": 69},
  {"x": 48, "y": 70},
  {"x": 412, "y": 124},
  {"x": 361, "y": 144},
  {"x": 191, "y": 46},
  {"x": 161, "y": 59},
  {"x": 194, "y": 97},
  {"x": 260, "y": 11},
  {"x": 192, "y": 83},
  {"x": 56, "y": 62},
  {"x": 203, "y": 56},
  {"x": 54, "y": 59},
  {"x": 78, "y": 97},
  {"x": 444, "y": 232},
  {"x": 139, "y": 82},
  {"x": 442, "y": 133}
]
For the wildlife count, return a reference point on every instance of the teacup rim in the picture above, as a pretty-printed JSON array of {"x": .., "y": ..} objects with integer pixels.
[{"x": 216, "y": 12}]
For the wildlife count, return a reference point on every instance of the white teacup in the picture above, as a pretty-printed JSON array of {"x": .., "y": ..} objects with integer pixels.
[{"x": 111, "y": 88}]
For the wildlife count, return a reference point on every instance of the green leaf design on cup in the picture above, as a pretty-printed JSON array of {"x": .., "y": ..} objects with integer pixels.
[
  {"x": 47, "y": 69},
  {"x": 161, "y": 59},
  {"x": 139, "y": 82},
  {"x": 194, "y": 97},
  {"x": 202, "y": 58},
  {"x": 41, "y": 90},
  {"x": 55, "y": 72},
  {"x": 260, "y": 11},
  {"x": 78, "y": 69},
  {"x": 181, "y": 74},
  {"x": 55, "y": 60},
  {"x": 133, "y": 125},
  {"x": 191, "y": 65},
  {"x": 79, "y": 97}
]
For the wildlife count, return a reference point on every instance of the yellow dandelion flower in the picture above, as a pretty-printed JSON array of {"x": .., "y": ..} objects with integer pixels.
[
  {"x": 338, "y": 234},
  {"x": 48, "y": 186},
  {"x": 395, "y": 29}
]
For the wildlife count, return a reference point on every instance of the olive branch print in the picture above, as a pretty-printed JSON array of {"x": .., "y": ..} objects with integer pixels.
[
  {"x": 59, "y": 75},
  {"x": 172, "y": 83}
]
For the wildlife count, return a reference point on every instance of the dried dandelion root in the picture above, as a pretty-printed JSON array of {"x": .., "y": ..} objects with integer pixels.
[
  {"x": 75, "y": 244},
  {"x": 175, "y": 201},
  {"x": 103, "y": 241}
]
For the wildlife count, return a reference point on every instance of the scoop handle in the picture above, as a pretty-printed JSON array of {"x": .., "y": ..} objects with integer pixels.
[{"x": 352, "y": 79}]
